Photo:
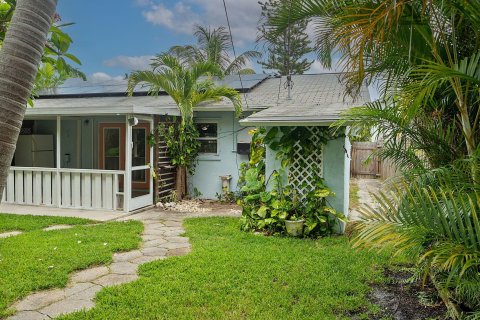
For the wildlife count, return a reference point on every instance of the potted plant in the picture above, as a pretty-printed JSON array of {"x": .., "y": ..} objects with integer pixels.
[{"x": 295, "y": 220}]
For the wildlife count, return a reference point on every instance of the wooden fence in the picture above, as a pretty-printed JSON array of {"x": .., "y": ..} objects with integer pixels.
[{"x": 365, "y": 164}]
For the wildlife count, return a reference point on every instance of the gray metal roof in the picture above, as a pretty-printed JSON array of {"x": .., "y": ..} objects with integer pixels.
[
  {"x": 119, "y": 86},
  {"x": 315, "y": 99}
]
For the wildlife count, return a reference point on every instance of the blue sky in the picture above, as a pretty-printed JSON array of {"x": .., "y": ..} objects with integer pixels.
[{"x": 113, "y": 37}]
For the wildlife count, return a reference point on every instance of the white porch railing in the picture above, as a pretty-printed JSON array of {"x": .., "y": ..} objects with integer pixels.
[{"x": 65, "y": 188}]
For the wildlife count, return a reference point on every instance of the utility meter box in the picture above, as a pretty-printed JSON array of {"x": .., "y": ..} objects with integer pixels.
[{"x": 243, "y": 140}]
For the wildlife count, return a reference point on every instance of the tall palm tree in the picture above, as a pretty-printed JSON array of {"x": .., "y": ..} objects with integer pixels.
[
  {"x": 214, "y": 45},
  {"x": 188, "y": 84},
  {"x": 20, "y": 57}
]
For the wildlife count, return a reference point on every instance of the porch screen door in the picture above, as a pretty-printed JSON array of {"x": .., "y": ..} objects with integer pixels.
[
  {"x": 112, "y": 156},
  {"x": 142, "y": 193}
]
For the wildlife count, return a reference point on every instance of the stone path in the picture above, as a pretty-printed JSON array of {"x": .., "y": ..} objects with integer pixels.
[
  {"x": 54, "y": 227},
  {"x": 366, "y": 188},
  {"x": 10, "y": 234},
  {"x": 161, "y": 239}
]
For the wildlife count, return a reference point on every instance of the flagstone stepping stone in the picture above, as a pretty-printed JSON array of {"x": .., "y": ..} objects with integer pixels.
[
  {"x": 127, "y": 256},
  {"x": 155, "y": 251},
  {"x": 154, "y": 243},
  {"x": 124, "y": 268},
  {"x": 89, "y": 275},
  {"x": 174, "y": 245},
  {"x": 10, "y": 234},
  {"x": 66, "y": 306},
  {"x": 29, "y": 315},
  {"x": 40, "y": 299},
  {"x": 145, "y": 259},
  {"x": 113, "y": 279},
  {"x": 160, "y": 239},
  {"x": 58, "y": 227}
]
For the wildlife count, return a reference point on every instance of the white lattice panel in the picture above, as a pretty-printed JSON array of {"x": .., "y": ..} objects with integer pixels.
[{"x": 306, "y": 165}]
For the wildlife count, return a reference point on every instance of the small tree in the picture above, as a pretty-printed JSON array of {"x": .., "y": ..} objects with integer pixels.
[
  {"x": 286, "y": 50},
  {"x": 188, "y": 84}
]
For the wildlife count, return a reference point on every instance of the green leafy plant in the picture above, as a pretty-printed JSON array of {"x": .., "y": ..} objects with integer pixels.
[
  {"x": 321, "y": 218},
  {"x": 267, "y": 210},
  {"x": 434, "y": 219},
  {"x": 183, "y": 145}
]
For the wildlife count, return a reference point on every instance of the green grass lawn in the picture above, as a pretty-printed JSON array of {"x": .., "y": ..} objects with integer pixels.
[
  {"x": 236, "y": 275},
  {"x": 38, "y": 260},
  {"x": 11, "y": 222}
]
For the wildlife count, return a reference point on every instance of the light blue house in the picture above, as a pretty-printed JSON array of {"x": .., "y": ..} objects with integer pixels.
[{"x": 86, "y": 145}]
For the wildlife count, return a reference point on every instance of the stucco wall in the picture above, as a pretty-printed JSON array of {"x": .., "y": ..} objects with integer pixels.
[
  {"x": 227, "y": 162},
  {"x": 336, "y": 171}
]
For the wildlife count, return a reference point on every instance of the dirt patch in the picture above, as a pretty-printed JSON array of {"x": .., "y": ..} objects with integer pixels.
[
  {"x": 216, "y": 205},
  {"x": 201, "y": 207},
  {"x": 405, "y": 301}
]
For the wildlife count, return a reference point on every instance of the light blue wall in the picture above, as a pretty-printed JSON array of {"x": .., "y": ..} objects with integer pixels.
[
  {"x": 336, "y": 171},
  {"x": 227, "y": 162}
]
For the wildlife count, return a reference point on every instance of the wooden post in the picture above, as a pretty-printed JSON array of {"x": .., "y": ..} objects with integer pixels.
[
  {"x": 58, "y": 182},
  {"x": 127, "y": 187}
]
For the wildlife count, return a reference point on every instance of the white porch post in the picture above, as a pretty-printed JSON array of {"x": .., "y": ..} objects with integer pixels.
[
  {"x": 127, "y": 188},
  {"x": 58, "y": 166},
  {"x": 153, "y": 161}
]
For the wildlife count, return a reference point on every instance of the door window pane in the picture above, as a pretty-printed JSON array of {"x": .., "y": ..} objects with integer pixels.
[
  {"x": 140, "y": 189},
  {"x": 111, "y": 149},
  {"x": 139, "y": 153}
]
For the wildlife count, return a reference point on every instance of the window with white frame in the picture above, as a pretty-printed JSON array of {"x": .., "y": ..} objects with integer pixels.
[{"x": 208, "y": 137}]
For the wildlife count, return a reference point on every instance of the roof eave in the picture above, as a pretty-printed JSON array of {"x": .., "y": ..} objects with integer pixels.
[{"x": 287, "y": 122}]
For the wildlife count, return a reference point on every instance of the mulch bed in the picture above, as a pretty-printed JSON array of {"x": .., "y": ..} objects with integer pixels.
[{"x": 406, "y": 301}]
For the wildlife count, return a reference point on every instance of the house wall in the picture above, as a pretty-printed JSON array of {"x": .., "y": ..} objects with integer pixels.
[
  {"x": 336, "y": 171},
  {"x": 206, "y": 178}
]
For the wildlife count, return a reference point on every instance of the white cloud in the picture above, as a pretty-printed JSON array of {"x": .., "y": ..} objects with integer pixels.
[
  {"x": 181, "y": 17},
  {"x": 98, "y": 77},
  {"x": 318, "y": 67},
  {"x": 130, "y": 62}
]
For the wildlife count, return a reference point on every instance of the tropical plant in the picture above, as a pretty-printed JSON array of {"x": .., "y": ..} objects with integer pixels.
[
  {"x": 426, "y": 57},
  {"x": 188, "y": 85},
  {"x": 20, "y": 56},
  {"x": 267, "y": 209},
  {"x": 214, "y": 45},
  {"x": 423, "y": 53},
  {"x": 54, "y": 68},
  {"x": 285, "y": 52},
  {"x": 433, "y": 218}
]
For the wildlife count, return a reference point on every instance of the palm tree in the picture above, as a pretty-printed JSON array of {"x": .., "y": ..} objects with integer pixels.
[
  {"x": 214, "y": 45},
  {"x": 20, "y": 57},
  {"x": 188, "y": 84},
  {"x": 426, "y": 55}
]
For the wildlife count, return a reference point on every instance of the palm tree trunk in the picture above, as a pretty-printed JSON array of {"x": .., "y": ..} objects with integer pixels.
[
  {"x": 181, "y": 182},
  {"x": 20, "y": 56}
]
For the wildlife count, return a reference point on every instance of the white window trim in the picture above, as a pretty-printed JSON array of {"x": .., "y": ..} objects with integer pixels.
[{"x": 206, "y": 155}]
